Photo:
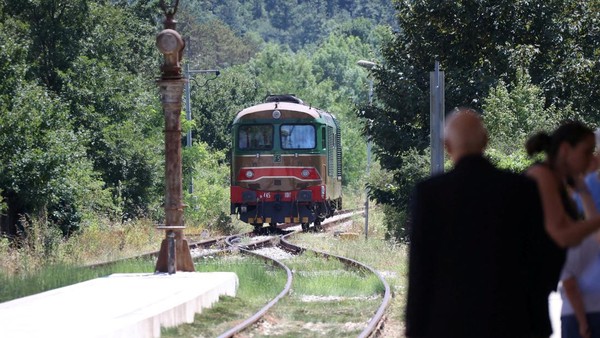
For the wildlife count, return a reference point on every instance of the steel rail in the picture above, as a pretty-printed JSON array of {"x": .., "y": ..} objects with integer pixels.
[
  {"x": 258, "y": 315},
  {"x": 379, "y": 314},
  {"x": 246, "y": 249},
  {"x": 150, "y": 254}
]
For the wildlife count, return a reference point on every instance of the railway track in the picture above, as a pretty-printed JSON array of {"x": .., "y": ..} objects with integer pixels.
[
  {"x": 282, "y": 241},
  {"x": 256, "y": 244}
]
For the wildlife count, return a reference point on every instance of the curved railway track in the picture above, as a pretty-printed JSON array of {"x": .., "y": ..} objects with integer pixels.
[
  {"x": 249, "y": 243},
  {"x": 282, "y": 241}
]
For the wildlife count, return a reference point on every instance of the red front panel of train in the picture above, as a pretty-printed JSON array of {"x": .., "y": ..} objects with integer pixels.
[{"x": 317, "y": 194}]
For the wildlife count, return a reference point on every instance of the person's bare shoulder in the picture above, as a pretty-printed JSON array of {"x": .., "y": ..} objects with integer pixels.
[{"x": 540, "y": 173}]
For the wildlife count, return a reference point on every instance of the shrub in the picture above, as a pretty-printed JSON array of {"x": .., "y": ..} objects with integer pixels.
[{"x": 210, "y": 198}]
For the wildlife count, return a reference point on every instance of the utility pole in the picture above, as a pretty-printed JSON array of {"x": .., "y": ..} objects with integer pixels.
[
  {"x": 368, "y": 65},
  {"x": 188, "y": 102},
  {"x": 436, "y": 119}
]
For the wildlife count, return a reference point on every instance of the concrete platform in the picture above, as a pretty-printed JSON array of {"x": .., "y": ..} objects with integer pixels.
[{"x": 120, "y": 305}]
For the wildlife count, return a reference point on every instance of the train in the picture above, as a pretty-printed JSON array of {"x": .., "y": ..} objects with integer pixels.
[{"x": 286, "y": 164}]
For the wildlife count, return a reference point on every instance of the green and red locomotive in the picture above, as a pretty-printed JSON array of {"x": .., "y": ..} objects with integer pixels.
[{"x": 286, "y": 163}]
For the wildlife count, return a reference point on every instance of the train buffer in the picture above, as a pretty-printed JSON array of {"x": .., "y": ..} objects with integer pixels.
[{"x": 120, "y": 305}]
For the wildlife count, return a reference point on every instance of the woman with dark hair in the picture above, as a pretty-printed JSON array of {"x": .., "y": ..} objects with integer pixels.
[
  {"x": 580, "y": 278},
  {"x": 569, "y": 151}
]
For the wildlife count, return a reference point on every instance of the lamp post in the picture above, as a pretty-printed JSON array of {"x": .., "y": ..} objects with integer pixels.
[
  {"x": 174, "y": 252},
  {"x": 368, "y": 65}
]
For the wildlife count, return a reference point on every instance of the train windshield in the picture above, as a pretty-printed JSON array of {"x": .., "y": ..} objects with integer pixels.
[
  {"x": 255, "y": 137},
  {"x": 298, "y": 136}
]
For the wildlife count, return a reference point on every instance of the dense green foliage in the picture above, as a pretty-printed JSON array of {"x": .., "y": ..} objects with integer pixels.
[
  {"x": 514, "y": 113},
  {"x": 296, "y": 23},
  {"x": 546, "y": 51},
  {"x": 81, "y": 126}
]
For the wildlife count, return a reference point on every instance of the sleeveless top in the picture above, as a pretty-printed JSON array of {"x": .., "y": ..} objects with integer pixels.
[
  {"x": 547, "y": 265},
  {"x": 555, "y": 256}
]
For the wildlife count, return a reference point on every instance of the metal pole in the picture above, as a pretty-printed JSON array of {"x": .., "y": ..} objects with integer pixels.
[
  {"x": 171, "y": 257},
  {"x": 188, "y": 116},
  {"x": 436, "y": 120},
  {"x": 188, "y": 106},
  {"x": 369, "y": 146},
  {"x": 368, "y": 65}
]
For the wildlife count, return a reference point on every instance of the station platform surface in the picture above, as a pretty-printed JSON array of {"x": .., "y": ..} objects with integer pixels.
[{"x": 120, "y": 305}]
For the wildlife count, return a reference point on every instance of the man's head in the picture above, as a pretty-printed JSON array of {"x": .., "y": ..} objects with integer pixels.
[{"x": 464, "y": 134}]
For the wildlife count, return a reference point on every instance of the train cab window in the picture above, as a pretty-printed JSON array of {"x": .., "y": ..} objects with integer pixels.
[
  {"x": 255, "y": 137},
  {"x": 298, "y": 136}
]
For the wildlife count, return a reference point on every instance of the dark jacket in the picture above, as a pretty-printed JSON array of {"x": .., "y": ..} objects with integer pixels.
[{"x": 473, "y": 263}]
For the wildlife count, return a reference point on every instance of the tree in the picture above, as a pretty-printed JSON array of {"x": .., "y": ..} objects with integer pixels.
[
  {"x": 295, "y": 23},
  {"x": 514, "y": 112},
  {"x": 56, "y": 29},
  {"x": 44, "y": 171},
  {"x": 211, "y": 184},
  {"x": 78, "y": 112},
  {"x": 215, "y": 101},
  {"x": 476, "y": 43},
  {"x": 112, "y": 99},
  {"x": 214, "y": 45}
]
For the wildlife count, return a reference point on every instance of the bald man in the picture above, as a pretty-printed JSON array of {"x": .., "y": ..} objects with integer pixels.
[{"x": 470, "y": 267}]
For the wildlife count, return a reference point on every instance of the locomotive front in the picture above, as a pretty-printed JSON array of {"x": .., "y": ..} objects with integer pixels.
[{"x": 286, "y": 163}]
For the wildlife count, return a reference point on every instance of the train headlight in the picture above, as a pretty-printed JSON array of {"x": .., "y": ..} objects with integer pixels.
[
  {"x": 305, "y": 173},
  {"x": 249, "y": 174}
]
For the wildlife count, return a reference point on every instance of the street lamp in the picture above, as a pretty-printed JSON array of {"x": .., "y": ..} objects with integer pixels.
[{"x": 368, "y": 65}]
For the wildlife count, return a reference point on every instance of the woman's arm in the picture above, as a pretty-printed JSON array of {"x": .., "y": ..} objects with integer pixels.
[
  {"x": 560, "y": 227},
  {"x": 574, "y": 297}
]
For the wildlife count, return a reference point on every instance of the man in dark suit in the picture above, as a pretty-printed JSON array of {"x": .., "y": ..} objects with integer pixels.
[{"x": 470, "y": 267}]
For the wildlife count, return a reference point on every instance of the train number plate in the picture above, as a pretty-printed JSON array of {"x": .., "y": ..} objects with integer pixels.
[{"x": 277, "y": 158}]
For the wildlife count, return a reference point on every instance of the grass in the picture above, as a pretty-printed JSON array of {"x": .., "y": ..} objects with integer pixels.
[
  {"x": 42, "y": 259},
  {"x": 41, "y": 247},
  {"x": 327, "y": 299},
  {"x": 59, "y": 275},
  {"x": 390, "y": 259},
  {"x": 45, "y": 260},
  {"x": 258, "y": 285},
  {"x": 318, "y": 276}
]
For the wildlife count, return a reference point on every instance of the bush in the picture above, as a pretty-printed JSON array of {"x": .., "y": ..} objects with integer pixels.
[
  {"x": 210, "y": 198},
  {"x": 223, "y": 224}
]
